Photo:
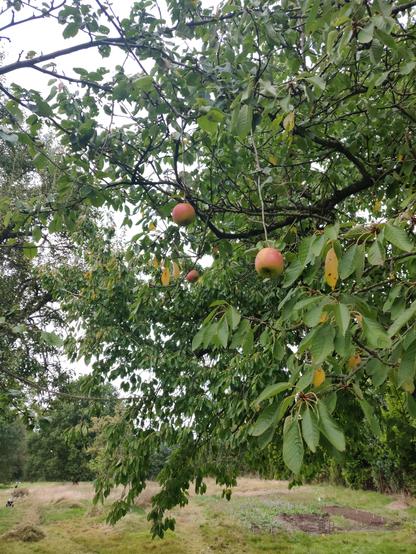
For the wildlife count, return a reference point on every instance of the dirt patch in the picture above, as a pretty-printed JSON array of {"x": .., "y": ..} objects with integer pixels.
[
  {"x": 365, "y": 519},
  {"x": 398, "y": 505},
  {"x": 321, "y": 523},
  {"x": 25, "y": 533},
  {"x": 314, "y": 524}
]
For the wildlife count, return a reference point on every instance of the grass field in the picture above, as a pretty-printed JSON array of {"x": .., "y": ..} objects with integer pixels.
[{"x": 262, "y": 516}]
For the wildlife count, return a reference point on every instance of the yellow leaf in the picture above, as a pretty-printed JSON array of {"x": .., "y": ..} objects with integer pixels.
[
  {"x": 359, "y": 319},
  {"x": 324, "y": 317},
  {"x": 176, "y": 270},
  {"x": 377, "y": 206},
  {"x": 165, "y": 278},
  {"x": 273, "y": 159},
  {"x": 331, "y": 268},
  {"x": 318, "y": 377},
  {"x": 152, "y": 227},
  {"x": 409, "y": 387},
  {"x": 354, "y": 361},
  {"x": 289, "y": 122},
  {"x": 155, "y": 263}
]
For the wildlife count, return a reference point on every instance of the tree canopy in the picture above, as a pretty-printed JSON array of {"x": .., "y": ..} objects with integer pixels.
[{"x": 287, "y": 125}]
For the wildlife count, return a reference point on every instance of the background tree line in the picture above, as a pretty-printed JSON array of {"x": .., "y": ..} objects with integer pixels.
[{"x": 69, "y": 443}]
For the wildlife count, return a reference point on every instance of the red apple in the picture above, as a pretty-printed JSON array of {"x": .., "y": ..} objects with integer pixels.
[
  {"x": 269, "y": 262},
  {"x": 192, "y": 276},
  {"x": 183, "y": 214}
]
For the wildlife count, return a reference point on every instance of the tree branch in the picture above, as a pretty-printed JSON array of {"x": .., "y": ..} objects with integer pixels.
[
  {"x": 335, "y": 145},
  {"x": 63, "y": 52},
  {"x": 403, "y": 7}
]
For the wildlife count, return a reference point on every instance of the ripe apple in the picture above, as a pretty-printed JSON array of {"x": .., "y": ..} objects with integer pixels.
[
  {"x": 269, "y": 262},
  {"x": 192, "y": 276},
  {"x": 183, "y": 214}
]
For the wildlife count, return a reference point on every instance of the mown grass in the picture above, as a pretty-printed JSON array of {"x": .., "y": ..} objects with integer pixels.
[{"x": 248, "y": 524}]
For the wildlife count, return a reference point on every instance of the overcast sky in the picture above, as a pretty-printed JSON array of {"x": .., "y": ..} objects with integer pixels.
[{"x": 45, "y": 35}]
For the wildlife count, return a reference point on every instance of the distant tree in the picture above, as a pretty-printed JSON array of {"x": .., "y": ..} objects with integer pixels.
[
  {"x": 58, "y": 447},
  {"x": 102, "y": 453},
  {"x": 12, "y": 448}
]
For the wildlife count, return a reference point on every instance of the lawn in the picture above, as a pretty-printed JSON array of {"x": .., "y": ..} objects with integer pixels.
[{"x": 262, "y": 516}]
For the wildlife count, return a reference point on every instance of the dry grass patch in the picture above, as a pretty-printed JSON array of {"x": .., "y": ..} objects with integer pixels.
[{"x": 25, "y": 533}]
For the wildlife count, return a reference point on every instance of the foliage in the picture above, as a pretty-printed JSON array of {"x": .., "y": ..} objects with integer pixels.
[
  {"x": 102, "y": 454},
  {"x": 287, "y": 125},
  {"x": 58, "y": 448},
  {"x": 28, "y": 347},
  {"x": 385, "y": 463},
  {"x": 12, "y": 449}
]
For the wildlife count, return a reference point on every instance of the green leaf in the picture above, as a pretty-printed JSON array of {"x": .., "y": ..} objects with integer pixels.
[
  {"x": 36, "y": 234},
  {"x": 366, "y": 35},
  {"x": 30, "y": 250},
  {"x": 375, "y": 334},
  {"x": 272, "y": 390},
  {"x": 244, "y": 121},
  {"x": 407, "y": 368},
  {"x": 266, "y": 419},
  {"x": 305, "y": 380},
  {"x": 313, "y": 316},
  {"x": 71, "y": 30},
  {"x": 233, "y": 318},
  {"x": 330, "y": 41},
  {"x": 376, "y": 254},
  {"x": 393, "y": 294},
  {"x": 330, "y": 428},
  {"x": 207, "y": 124},
  {"x": 411, "y": 405},
  {"x": 248, "y": 341},
  {"x": 198, "y": 338},
  {"x": 342, "y": 317},
  {"x": 144, "y": 83},
  {"x": 293, "y": 446},
  {"x": 402, "y": 319},
  {"x": 322, "y": 344},
  {"x": 317, "y": 81},
  {"x": 293, "y": 272},
  {"x": 266, "y": 438},
  {"x": 331, "y": 232},
  {"x": 359, "y": 261},
  {"x": 210, "y": 334},
  {"x": 347, "y": 264},
  {"x": 377, "y": 370},
  {"x": 222, "y": 331},
  {"x": 407, "y": 68},
  {"x": 398, "y": 237},
  {"x": 370, "y": 417},
  {"x": 310, "y": 429},
  {"x": 52, "y": 339},
  {"x": 241, "y": 333},
  {"x": 283, "y": 407}
]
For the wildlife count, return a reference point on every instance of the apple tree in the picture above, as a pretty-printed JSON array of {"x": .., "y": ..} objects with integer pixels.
[{"x": 285, "y": 125}]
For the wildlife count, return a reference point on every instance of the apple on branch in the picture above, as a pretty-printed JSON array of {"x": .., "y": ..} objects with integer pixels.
[
  {"x": 269, "y": 262},
  {"x": 183, "y": 214}
]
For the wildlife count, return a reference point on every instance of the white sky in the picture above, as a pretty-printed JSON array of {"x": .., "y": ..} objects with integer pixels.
[{"x": 45, "y": 35}]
